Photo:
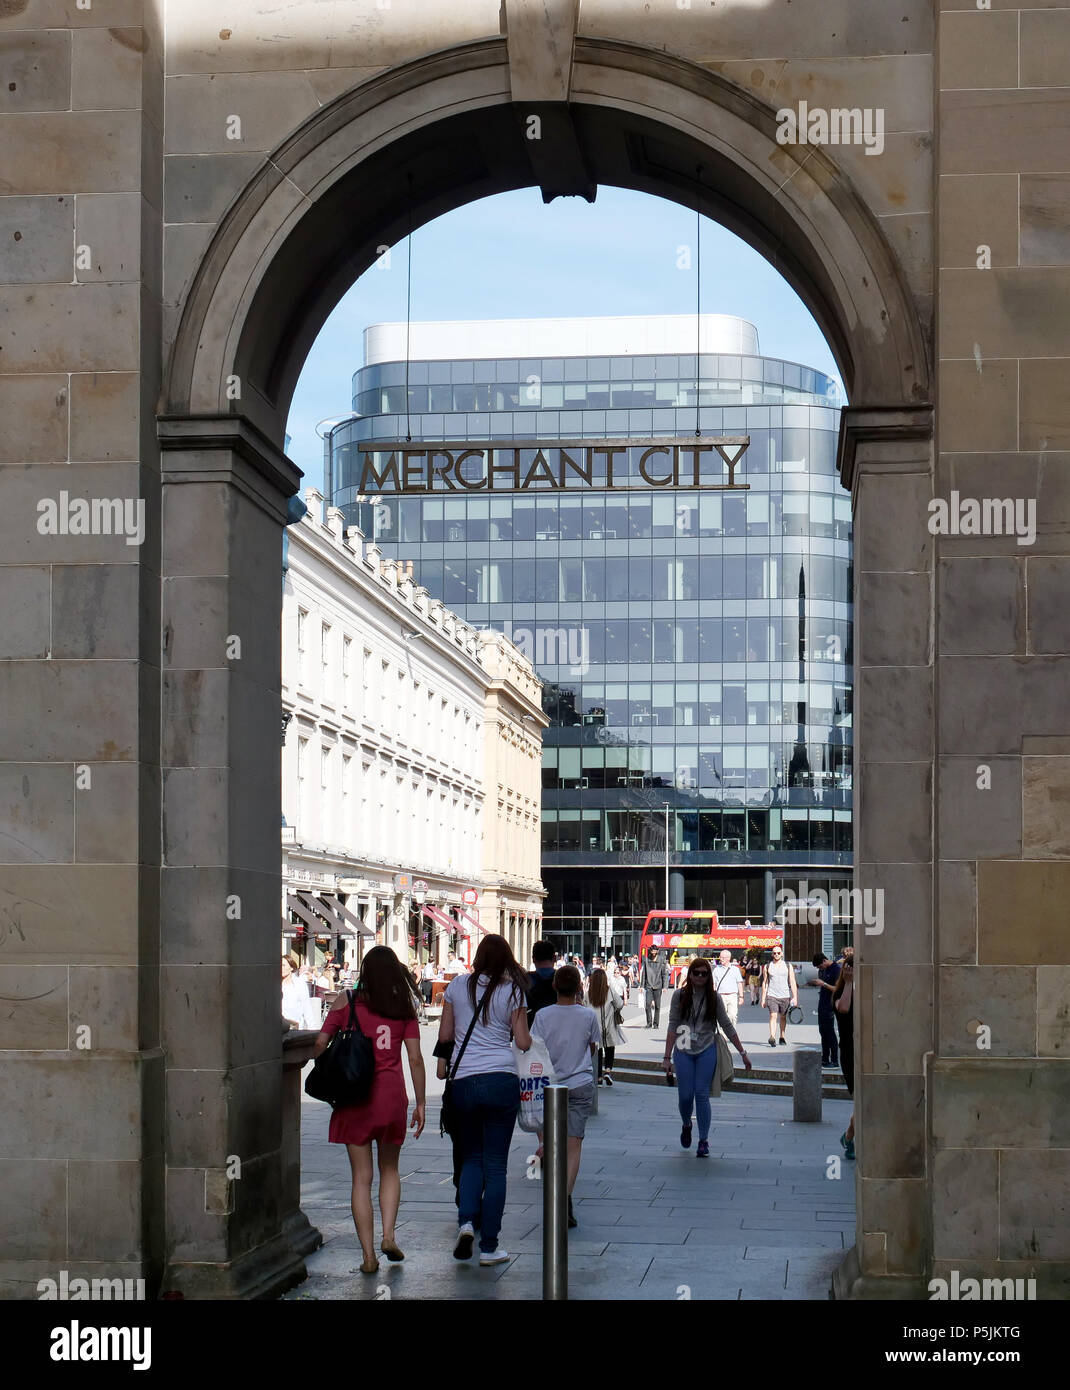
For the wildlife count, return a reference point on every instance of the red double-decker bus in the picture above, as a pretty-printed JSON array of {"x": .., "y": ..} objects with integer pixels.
[{"x": 701, "y": 933}]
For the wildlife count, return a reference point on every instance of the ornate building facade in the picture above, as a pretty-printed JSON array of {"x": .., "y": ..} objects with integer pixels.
[{"x": 410, "y": 767}]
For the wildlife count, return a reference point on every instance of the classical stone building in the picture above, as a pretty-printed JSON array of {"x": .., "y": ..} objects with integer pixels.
[
  {"x": 382, "y": 768},
  {"x": 181, "y": 207},
  {"x": 512, "y": 894}
]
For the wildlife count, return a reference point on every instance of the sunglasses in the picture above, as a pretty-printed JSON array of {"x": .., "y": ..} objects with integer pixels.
[{"x": 700, "y": 974}]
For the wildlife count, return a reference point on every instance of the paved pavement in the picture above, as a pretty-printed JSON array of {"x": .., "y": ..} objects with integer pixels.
[{"x": 760, "y": 1219}]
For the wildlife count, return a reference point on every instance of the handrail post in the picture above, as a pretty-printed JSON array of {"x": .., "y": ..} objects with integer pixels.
[{"x": 555, "y": 1195}]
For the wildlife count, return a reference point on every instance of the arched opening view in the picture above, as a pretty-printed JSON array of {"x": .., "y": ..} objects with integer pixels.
[{"x": 646, "y": 506}]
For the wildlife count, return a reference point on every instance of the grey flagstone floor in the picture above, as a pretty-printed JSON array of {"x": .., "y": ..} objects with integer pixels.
[{"x": 764, "y": 1217}]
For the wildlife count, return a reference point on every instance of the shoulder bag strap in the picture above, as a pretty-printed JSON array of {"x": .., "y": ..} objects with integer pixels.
[{"x": 457, "y": 1060}]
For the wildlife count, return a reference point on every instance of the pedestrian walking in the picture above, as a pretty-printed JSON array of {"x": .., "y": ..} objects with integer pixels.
[
  {"x": 752, "y": 970},
  {"x": 695, "y": 1014},
  {"x": 486, "y": 1010},
  {"x": 843, "y": 1001},
  {"x": 385, "y": 1008},
  {"x": 780, "y": 992},
  {"x": 828, "y": 972},
  {"x": 653, "y": 978},
  {"x": 571, "y": 1034},
  {"x": 606, "y": 1000},
  {"x": 540, "y": 985},
  {"x": 728, "y": 982}
]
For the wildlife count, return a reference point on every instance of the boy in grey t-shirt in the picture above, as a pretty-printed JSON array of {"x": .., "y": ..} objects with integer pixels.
[{"x": 571, "y": 1033}]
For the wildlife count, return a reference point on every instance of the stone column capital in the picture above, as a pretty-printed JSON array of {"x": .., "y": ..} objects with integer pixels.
[
  {"x": 231, "y": 449},
  {"x": 879, "y": 424}
]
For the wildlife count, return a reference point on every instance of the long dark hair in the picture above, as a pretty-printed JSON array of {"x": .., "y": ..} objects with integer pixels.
[
  {"x": 385, "y": 986},
  {"x": 598, "y": 988},
  {"x": 707, "y": 1000},
  {"x": 495, "y": 960}
]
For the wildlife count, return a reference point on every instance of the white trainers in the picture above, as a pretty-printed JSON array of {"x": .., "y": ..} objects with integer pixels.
[
  {"x": 465, "y": 1240},
  {"x": 494, "y": 1257}
]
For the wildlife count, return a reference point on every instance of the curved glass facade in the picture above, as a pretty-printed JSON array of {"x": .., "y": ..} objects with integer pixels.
[{"x": 695, "y": 645}]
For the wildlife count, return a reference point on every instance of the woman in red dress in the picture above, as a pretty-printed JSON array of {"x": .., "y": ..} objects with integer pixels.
[{"x": 386, "y": 1012}]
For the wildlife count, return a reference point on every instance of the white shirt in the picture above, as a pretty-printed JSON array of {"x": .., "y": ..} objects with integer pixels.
[
  {"x": 296, "y": 1003},
  {"x": 727, "y": 979},
  {"x": 490, "y": 1046}
]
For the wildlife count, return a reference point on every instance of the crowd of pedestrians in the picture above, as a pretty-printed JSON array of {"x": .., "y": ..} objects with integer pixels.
[{"x": 490, "y": 1015}]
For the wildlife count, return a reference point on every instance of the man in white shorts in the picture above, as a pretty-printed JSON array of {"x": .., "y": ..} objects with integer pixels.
[{"x": 728, "y": 982}]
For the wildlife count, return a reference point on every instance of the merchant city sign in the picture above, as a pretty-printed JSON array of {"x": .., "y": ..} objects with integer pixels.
[{"x": 693, "y": 461}]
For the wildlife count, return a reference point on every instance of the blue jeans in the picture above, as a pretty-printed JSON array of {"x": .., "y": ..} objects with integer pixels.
[
  {"x": 694, "y": 1076},
  {"x": 487, "y": 1107}
]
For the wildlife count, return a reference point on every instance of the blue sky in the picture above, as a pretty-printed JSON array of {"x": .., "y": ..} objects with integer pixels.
[{"x": 512, "y": 256}]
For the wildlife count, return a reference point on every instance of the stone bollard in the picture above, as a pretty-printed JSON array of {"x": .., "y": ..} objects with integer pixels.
[{"x": 806, "y": 1087}]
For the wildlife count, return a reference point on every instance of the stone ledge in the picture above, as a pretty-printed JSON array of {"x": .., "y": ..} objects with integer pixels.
[
  {"x": 850, "y": 1284},
  {"x": 880, "y": 424},
  {"x": 255, "y": 465},
  {"x": 265, "y": 1272}
]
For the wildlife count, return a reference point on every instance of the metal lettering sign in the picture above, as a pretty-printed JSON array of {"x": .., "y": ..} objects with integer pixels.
[{"x": 684, "y": 461}]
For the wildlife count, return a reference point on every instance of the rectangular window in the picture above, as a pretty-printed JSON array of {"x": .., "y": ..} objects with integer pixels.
[{"x": 302, "y": 644}]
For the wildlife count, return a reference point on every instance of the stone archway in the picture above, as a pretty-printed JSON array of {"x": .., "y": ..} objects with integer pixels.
[{"x": 409, "y": 145}]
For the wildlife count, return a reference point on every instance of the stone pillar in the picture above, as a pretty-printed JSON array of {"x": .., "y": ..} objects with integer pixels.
[
  {"x": 886, "y": 460},
  {"x": 676, "y": 889},
  {"x": 81, "y": 1071},
  {"x": 769, "y": 895},
  {"x": 299, "y": 1231},
  {"x": 224, "y": 497}
]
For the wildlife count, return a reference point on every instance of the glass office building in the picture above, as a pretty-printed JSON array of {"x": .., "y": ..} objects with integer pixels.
[{"x": 695, "y": 644}]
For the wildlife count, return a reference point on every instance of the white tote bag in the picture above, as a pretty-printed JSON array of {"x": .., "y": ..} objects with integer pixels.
[{"x": 536, "y": 1072}]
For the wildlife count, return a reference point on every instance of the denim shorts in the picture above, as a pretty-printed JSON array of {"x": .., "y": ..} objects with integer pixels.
[{"x": 580, "y": 1105}]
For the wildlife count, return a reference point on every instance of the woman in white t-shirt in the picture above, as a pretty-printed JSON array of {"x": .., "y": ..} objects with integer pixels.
[{"x": 485, "y": 1088}]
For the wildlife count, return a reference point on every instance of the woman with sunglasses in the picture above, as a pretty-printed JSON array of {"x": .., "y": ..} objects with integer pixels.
[{"x": 695, "y": 1013}]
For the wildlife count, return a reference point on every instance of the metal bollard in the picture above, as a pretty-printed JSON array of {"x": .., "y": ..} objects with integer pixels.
[
  {"x": 555, "y": 1194},
  {"x": 806, "y": 1087}
]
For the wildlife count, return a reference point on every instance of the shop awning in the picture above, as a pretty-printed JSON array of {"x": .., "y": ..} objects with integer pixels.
[
  {"x": 298, "y": 905},
  {"x": 474, "y": 921},
  {"x": 347, "y": 921},
  {"x": 444, "y": 919}
]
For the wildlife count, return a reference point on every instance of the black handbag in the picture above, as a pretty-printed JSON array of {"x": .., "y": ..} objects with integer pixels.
[
  {"x": 447, "y": 1119},
  {"x": 343, "y": 1073}
]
